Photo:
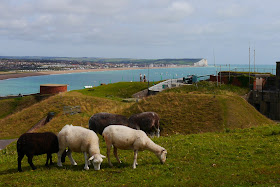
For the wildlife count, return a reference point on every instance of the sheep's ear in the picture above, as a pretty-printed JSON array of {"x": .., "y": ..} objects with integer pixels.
[
  {"x": 91, "y": 158},
  {"x": 102, "y": 156}
]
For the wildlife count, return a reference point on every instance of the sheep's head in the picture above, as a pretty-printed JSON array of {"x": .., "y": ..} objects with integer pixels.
[
  {"x": 162, "y": 156},
  {"x": 96, "y": 160}
]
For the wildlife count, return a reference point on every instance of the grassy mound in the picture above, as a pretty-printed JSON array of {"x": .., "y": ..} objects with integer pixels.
[
  {"x": 225, "y": 156},
  {"x": 12, "y": 105},
  {"x": 116, "y": 91},
  {"x": 190, "y": 109},
  {"x": 16, "y": 124},
  {"x": 201, "y": 108}
]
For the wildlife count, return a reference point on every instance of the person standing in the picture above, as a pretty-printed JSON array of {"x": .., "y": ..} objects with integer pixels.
[{"x": 141, "y": 78}]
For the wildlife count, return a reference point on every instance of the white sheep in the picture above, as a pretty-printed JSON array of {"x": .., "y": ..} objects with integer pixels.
[
  {"x": 79, "y": 139},
  {"x": 123, "y": 137}
]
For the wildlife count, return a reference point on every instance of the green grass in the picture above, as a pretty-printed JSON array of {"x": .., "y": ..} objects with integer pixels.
[
  {"x": 232, "y": 145},
  {"x": 116, "y": 91},
  {"x": 16, "y": 124},
  {"x": 12, "y": 105},
  {"x": 192, "y": 109},
  {"x": 205, "y": 87},
  {"x": 237, "y": 157},
  {"x": 189, "y": 109}
]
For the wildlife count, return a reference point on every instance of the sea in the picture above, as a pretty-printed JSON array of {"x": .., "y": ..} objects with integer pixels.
[{"x": 76, "y": 81}]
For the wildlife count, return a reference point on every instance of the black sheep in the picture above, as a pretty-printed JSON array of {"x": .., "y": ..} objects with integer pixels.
[
  {"x": 31, "y": 144},
  {"x": 145, "y": 121},
  {"x": 99, "y": 121}
]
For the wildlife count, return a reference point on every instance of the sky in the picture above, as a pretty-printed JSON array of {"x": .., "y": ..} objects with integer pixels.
[{"x": 220, "y": 31}]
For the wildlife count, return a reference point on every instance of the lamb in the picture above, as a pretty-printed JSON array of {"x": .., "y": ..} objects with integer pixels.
[
  {"x": 99, "y": 121},
  {"x": 79, "y": 139},
  {"x": 31, "y": 144},
  {"x": 122, "y": 137},
  {"x": 146, "y": 121}
]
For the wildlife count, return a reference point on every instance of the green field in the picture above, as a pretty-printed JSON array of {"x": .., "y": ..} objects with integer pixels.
[{"x": 212, "y": 135}]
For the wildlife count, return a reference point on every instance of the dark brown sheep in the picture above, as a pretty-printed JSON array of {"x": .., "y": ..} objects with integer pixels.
[
  {"x": 31, "y": 144},
  {"x": 145, "y": 121},
  {"x": 99, "y": 121}
]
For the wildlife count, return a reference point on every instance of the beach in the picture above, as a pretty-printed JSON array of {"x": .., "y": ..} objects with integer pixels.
[{"x": 10, "y": 75}]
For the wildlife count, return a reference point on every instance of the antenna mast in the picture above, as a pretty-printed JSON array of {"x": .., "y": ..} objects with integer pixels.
[
  {"x": 249, "y": 65},
  {"x": 254, "y": 60},
  {"x": 214, "y": 57}
]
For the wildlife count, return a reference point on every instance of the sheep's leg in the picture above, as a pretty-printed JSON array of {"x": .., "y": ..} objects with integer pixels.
[
  {"x": 49, "y": 157},
  {"x": 63, "y": 156},
  {"x": 135, "y": 159},
  {"x": 86, "y": 161},
  {"x": 51, "y": 162},
  {"x": 30, "y": 156},
  {"x": 116, "y": 154},
  {"x": 108, "y": 155},
  {"x": 69, "y": 154},
  {"x": 59, "y": 157},
  {"x": 20, "y": 157},
  {"x": 158, "y": 132}
]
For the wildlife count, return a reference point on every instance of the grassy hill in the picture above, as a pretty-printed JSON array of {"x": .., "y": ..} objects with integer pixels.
[
  {"x": 212, "y": 135},
  {"x": 201, "y": 108},
  {"x": 12, "y": 105},
  {"x": 190, "y": 109}
]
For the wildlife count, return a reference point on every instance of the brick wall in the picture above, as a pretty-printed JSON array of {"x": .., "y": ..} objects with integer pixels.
[{"x": 52, "y": 89}]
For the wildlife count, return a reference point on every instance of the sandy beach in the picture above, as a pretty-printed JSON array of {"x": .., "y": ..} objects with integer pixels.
[{"x": 9, "y": 75}]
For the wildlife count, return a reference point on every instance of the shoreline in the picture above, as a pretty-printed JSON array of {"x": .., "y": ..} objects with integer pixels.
[
  {"x": 12, "y": 75},
  {"x": 5, "y": 76}
]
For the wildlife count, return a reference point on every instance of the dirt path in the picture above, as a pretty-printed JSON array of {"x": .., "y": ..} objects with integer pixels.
[{"x": 5, "y": 143}]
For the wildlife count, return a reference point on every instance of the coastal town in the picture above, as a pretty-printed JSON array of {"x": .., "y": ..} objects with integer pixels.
[{"x": 22, "y": 64}]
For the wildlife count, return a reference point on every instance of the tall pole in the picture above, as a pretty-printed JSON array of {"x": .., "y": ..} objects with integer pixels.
[
  {"x": 254, "y": 59},
  {"x": 249, "y": 65},
  {"x": 214, "y": 57}
]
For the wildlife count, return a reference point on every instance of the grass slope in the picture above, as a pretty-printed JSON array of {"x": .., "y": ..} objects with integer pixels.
[
  {"x": 238, "y": 157},
  {"x": 116, "y": 91},
  {"x": 201, "y": 108},
  {"x": 190, "y": 109},
  {"x": 12, "y": 105},
  {"x": 225, "y": 156},
  {"x": 16, "y": 124}
]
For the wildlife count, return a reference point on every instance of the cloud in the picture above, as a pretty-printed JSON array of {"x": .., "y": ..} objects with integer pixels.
[
  {"x": 233, "y": 10},
  {"x": 165, "y": 27}
]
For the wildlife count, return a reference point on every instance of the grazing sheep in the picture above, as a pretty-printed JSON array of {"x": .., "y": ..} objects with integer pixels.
[
  {"x": 123, "y": 137},
  {"x": 31, "y": 144},
  {"x": 98, "y": 122},
  {"x": 79, "y": 139},
  {"x": 145, "y": 121}
]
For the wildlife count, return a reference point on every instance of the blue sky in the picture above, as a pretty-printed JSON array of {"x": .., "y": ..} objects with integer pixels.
[{"x": 142, "y": 29}]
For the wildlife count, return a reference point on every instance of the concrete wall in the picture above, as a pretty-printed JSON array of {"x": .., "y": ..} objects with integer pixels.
[
  {"x": 266, "y": 102},
  {"x": 141, "y": 94}
]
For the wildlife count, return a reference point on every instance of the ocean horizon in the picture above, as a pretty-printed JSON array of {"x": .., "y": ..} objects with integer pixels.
[{"x": 76, "y": 81}]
